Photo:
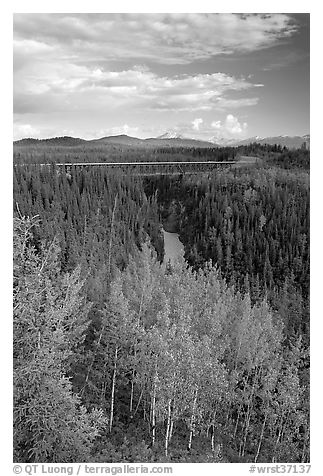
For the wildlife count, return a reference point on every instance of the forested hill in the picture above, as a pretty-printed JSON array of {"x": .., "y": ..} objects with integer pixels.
[
  {"x": 52, "y": 152},
  {"x": 172, "y": 140},
  {"x": 121, "y": 140},
  {"x": 64, "y": 141},
  {"x": 71, "y": 150},
  {"x": 204, "y": 361},
  {"x": 254, "y": 225}
]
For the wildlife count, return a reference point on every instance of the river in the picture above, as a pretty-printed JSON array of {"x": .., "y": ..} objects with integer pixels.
[{"x": 174, "y": 248}]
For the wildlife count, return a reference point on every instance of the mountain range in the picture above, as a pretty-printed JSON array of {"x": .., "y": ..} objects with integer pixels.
[
  {"x": 291, "y": 142},
  {"x": 169, "y": 139}
]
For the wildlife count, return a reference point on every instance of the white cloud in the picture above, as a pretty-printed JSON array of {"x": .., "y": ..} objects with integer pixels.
[
  {"x": 163, "y": 37},
  {"x": 49, "y": 86},
  {"x": 218, "y": 130},
  {"x": 117, "y": 130},
  {"x": 24, "y": 131},
  {"x": 231, "y": 128},
  {"x": 196, "y": 123},
  {"x": 216, "y": 124},
  {"x": 224, "y": 103},
  {"x": 73, "y": 69}
]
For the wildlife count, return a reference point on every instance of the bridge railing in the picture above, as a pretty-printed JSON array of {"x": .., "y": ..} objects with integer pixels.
[{"x": 151, "y": 168}]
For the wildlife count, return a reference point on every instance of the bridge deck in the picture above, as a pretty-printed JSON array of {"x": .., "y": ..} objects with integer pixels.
[
  {"x": 145, "y": 164},
  {"x": 154, "y": 167}
]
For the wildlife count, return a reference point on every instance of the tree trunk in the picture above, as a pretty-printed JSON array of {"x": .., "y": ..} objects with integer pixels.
[
  {"x": 104, "y": 384},
  {"x": 113, "y": 388},
  {"x": 238, "y": 353},
  {"x": 171, "y": 429},
  {"x": 84, "y": 236},
  {"x": 153, "y": 411},
  {"x": 247, "y": 421},
  {"x": 278, "y": 438},
  {"x": 168, "y": 427},
  {"x": 131, "y": 395},
  {"x": 237, "y": 422},
  {"x": 139, "y": 400},
  {"x": 147, "y": 417},
  {"x": 135, "y": 355},
  {"x": 213, "y": 432},
  {"x": 111, "y": 234},
  {"x": 304, "y": 458},
  {"x": 103, "y": 392},
  {"x": 192, "y": 423},
  {"x": 240, "y": 406},
  {"x": 261, "y": 437}
]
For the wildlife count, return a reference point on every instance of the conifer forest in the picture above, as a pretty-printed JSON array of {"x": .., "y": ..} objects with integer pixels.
[{"x": 120, "y": 356}]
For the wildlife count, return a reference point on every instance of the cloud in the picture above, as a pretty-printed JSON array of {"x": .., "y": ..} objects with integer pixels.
[
  {"x": 79, "y": 71},
  {"x": 161, "y": 38},
  {"x": 223, "y": 103},
  {"x": 24, "y": 131},
  {"x": 217, "y": 130},
  {"x": 196, "y": 123},
  {"x": 117, "y": 130},
  {"x": 51, "y": 87},
  {"x": 231, "y": 128}
]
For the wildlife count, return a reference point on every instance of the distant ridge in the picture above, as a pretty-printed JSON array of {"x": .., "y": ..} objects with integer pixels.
[
  {"x": 171, "y": 135},
  {"x": 122, "y": 140},
  {"x": 291, "y": 142},
  {"x": 59, "y": 141},
  {"x": 178, "y": 142},
  {"x": 119, "y": 139},
  {"x": 169, "y": 139}
]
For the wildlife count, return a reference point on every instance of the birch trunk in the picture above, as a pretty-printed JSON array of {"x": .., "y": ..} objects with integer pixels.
[
  {"x": 192, "y": 423},
  {"x": 104, "y": 384},
  {"x": 135, "y": 355},
  {"x": 168, "y": 427},
  {"x": 213, "y": 432},
  {"x": 153, "y": 412},
  {"x": 113, "y": 388},
  {"x": 139, "y": 400},
  {"x": 278, "y": 438},
  {"x": 131, "y": 395},
  {"x": 237, "y": 422},
  {"x": 171, "y": 429},
  {"x": 261, "y": 437}
]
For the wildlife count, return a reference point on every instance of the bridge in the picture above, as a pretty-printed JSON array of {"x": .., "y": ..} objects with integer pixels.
[{"x": 156, "y": 167}]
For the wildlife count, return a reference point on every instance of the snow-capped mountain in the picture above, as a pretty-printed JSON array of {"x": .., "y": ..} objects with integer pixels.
[
  {"x": 170, "y": 139},
  {"x": 291, "y": 142},
  {"x": 226, "y": 142},
  {"x": 171, "y": 135},
  {"x": 222, "y": 141}
]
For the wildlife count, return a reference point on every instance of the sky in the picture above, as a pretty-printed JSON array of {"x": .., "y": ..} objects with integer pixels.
[{"x": 202, "y": 75}]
